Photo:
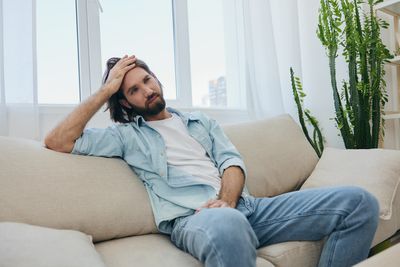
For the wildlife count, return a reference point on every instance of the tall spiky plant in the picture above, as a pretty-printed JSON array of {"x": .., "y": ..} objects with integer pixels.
[
  {"x": 317, "y": 142},
  {"x": 359, "y": 105}
]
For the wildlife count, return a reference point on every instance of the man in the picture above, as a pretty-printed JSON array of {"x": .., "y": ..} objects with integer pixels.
[{"x": 195, "y": 178}]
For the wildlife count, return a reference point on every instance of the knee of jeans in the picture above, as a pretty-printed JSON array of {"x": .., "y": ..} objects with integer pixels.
[
  {"x": 227, "y": 220},
  {"x": 228, "y": 226},
  {"x": 365, "y": 201},
  {"x": 371, "y": 205}
]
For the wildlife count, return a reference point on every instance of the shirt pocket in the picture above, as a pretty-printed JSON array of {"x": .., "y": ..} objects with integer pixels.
[{"x": 201, "y": 135}]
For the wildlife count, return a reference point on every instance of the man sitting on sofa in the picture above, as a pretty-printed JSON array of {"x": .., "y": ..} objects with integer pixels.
[{"x": 195, "y": 178}]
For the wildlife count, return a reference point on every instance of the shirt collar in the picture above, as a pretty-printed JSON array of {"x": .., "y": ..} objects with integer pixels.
[{"x": 186, "y": 117}]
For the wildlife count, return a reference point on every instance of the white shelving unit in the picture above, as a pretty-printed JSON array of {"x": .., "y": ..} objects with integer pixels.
[{"x": 392, "y": 8}]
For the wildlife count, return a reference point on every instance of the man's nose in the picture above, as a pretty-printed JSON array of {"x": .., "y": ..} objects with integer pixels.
[{"x": 148, "y": 91}]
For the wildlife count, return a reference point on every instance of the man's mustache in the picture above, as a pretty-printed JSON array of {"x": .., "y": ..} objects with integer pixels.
[{"x": 155, "y": 94}]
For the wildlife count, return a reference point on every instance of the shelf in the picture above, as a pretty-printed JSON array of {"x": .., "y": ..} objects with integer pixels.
[
  {"x": 391, "y": 7},
  {"x": 390, "y": 115}
]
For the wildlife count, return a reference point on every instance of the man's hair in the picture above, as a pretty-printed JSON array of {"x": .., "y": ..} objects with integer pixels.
[{"x": 118, "y": 112}]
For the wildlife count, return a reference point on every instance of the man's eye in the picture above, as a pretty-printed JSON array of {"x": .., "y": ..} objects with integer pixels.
[{"x": 146, "y": 79}]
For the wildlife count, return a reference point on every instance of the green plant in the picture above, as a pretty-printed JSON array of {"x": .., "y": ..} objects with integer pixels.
[
  {"x": 359, "y": 105},
  {"x": 318, "y": 141}
]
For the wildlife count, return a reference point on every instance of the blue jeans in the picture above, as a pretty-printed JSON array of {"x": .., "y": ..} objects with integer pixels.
[{"x": 347, "y": 216}]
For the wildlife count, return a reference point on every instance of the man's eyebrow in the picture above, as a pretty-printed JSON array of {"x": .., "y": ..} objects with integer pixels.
[
  {"x": 132, "y": 88},
  {"x": 135, "y": 87}
]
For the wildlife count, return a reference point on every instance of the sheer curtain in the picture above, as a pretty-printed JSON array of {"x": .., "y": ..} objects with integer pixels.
[
  {"x": 264, "y": 92},
  {"x": 19, "y": 115},
  {"x": 281, "y": 34}
]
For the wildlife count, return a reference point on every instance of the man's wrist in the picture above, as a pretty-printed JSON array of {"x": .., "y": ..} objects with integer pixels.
[{"x": 230, "y": 202}]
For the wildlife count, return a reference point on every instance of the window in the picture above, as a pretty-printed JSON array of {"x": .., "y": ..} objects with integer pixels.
[
  {"x": 195, "y": 47},
  {"x": 200, "y": 39},
  {"x": 207, "y": 53},
  {"x": 142, "y": 28},
  {"x": 57, "y": 52},
  {"x": 215, "y": 37}
]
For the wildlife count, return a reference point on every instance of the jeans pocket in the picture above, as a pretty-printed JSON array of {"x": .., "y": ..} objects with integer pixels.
[
  {"x": 246, "y": 205},
  {"x": 179, "y": 224}
]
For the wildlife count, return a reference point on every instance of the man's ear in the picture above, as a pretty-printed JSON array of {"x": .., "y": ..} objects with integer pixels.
[{"x": 124, "y": 103}]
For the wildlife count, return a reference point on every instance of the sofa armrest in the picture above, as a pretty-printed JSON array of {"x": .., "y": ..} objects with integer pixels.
[
  {"x": 387, "y": 258},
  {"x": 375, "y": 170}
]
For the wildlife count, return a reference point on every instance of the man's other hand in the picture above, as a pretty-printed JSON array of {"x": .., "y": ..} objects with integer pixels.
[{"x": 214, "y": 203}]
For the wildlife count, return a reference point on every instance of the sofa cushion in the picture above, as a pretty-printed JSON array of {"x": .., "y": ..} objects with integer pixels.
[
  {"x": 375, "y": 170},
  {"x": 302, "y": 253},
  {"x": 150, "y": 250},
  {"x": 101, "y": 197},
  {"x": 277, "y": 155},
  {"x": 23, "y": 245}
]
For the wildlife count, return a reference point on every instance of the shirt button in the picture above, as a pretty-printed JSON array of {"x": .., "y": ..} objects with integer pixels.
[
  {"x": 162, "y": 154},
  {"x": 161, "y": 173}
]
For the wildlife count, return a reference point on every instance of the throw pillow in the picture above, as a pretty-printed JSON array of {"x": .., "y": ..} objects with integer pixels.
[
  {"x": 375, "y": 170},
  {"x": 24, "y": 245}
]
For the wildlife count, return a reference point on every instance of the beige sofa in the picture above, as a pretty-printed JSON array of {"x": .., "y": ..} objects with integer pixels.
[{"x": 103, "y": 198}]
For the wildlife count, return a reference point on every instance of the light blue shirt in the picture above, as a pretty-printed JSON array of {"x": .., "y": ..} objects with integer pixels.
[{"x": 172, "y": 193}]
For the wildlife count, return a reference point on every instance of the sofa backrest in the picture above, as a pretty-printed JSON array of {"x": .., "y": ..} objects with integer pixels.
[
  {"x": 104, "y": 198},
  {"x": 277, "y": 155},
  {"x": 98, "y": 196}
]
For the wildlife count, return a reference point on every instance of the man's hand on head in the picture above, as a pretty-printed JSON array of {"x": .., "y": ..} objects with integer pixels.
[
  {"x": 214, "y": 203},
  {"x": 117, "y": 73}
]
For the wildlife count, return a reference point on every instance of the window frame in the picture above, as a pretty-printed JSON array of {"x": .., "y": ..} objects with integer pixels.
[{"x": 90, "y": 65}]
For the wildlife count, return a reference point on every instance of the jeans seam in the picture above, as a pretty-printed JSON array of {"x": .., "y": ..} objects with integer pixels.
[
  {"x": 338, "y": 234},
  {"x": 200, "y": 230},
  {"x": 319, "y": 212}
]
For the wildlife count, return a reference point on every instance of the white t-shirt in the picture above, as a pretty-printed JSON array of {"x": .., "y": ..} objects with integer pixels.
[{"x": 185, "y": 153}]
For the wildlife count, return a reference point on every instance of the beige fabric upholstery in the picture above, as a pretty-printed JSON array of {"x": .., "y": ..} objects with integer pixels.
[
  {"x": 98, "y": 196},
  {"x": 387, "y": 258},
  {"x": 103, "y": 197},
  {"x": 387, "y": 228},
  {"x": 300, "y": 253},
  {"x": 375, "y": 170},
  {"x": 24, "y": 245},
  {"x": 277, "y": 155},
  {"x": 149, "y": 250}
]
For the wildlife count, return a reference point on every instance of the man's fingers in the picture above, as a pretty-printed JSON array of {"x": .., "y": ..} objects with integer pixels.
[
  {"x": 208, "y": 203},
  {"x": 125, "y": 60},
  {"x": 131, "y": 66},
  {"x": 218, "y": 204}
]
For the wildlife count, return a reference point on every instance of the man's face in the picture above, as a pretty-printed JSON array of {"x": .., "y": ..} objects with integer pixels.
[{"x": 142, "y": 92}]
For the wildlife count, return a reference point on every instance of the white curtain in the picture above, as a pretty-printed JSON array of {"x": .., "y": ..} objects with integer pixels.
[
  {"x": 264, "y": 93},
  {"x": 281, "y": 34},
  {"x": 19, "y": 114}
]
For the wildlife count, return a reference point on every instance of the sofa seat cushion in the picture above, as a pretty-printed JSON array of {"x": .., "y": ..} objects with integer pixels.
[
  {"x": 149, "y": 250},
  {"x": 303, "y": 253},
  {"x": 24, "y": 245}
]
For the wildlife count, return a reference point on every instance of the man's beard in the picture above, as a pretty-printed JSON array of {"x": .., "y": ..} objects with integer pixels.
[{"x": 151, "y": 109}]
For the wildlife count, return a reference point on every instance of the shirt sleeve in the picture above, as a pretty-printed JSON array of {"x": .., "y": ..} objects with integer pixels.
[
  {"x": 224, "y": 152},
  {"x": 99, "y": 142}
]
